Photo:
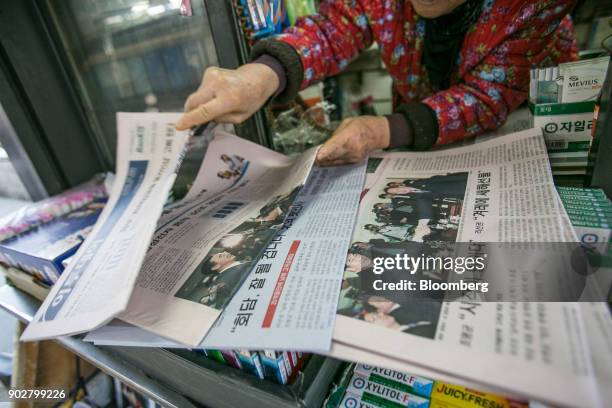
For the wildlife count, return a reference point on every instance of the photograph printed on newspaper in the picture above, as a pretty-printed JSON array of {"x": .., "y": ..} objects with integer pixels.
[{"x": 289, "y": 300}]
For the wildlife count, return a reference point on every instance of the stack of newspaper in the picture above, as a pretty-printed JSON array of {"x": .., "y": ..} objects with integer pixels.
[{"x": 255, "y": 257}]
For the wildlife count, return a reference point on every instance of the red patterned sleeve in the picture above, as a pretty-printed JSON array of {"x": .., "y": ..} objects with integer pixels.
[
  {"x": 531, "y": 34},
  {"x": 326, "y": 42}
]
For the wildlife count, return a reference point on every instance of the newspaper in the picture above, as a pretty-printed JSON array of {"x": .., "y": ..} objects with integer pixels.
[
  {"x": 204, "y": 249},
  {"x": 107, "y": 264},
  {"x": 173, "y": 274},
  {"x": 289, "y": 300},
  {"x": 119, "y": 333},
  {"x": 500, "y": 190}
]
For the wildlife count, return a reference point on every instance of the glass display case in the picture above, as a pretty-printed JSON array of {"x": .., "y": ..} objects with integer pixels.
[
  {"x": 68, "y": 66},
  {"x": 132, "y": 55}
]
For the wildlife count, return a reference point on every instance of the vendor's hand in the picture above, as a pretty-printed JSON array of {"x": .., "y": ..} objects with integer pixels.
[
  {"x": 229, "y": 95},
  {"x": 354, "y": 139}
]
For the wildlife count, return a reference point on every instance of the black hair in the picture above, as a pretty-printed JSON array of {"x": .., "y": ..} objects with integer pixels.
[{"x": 206, "y": 266}]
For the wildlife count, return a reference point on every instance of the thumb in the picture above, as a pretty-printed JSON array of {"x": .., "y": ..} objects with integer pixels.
[
  {"x": 334, "y": 147},
  {"x": 330, "y": 150}
]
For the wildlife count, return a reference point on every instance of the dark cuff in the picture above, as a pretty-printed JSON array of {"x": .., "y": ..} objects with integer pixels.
[
  {"x": 278, "y": 69},
  {"x": 400, "y": 134},
  {"x": 423, "y": 124},
  {"x": 288, "y": 59}
]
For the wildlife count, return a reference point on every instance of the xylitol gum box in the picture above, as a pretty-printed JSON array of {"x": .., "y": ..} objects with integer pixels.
[
  {"x": 410, "y": 383},
  {"x": 377, "y": 391},
  {"x": 355, "y": 400},
  {"x": 596, "y": 206},
  {"x": 446, "y": 395},
  {"x": 566, "y": 126},
  {"x": 596, "y": 193}
]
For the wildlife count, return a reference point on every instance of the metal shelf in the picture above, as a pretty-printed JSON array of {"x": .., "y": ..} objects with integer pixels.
[
  {"x": 184, "y": 379},
  {"x": 24, "y": 306}
]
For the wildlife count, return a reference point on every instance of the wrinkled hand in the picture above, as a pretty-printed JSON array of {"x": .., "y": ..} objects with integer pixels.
[
  {"x": 354, "y": 139},
  {"x": 229, "y": 95}
]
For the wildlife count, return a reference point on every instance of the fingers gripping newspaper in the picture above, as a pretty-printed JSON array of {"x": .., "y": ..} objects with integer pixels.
[
  {"x": 172, "y": 275},
  {"x": 500, "y": 190}
]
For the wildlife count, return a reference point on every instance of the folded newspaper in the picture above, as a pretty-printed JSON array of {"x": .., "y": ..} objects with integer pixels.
[{"x": 172, "y": 273}]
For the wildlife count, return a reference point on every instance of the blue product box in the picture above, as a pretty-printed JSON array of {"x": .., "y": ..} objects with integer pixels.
[
  {"x": 251, "y": 363},
  {"x": 41, "y": 251},
  {"x": 274, "y": 366}
]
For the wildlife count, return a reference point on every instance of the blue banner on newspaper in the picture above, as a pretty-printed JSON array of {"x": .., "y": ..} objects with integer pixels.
[{"x": 136, "y": 173}]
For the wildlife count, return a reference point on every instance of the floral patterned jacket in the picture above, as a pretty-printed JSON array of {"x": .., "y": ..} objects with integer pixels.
[{"x": 491, "y": 77}]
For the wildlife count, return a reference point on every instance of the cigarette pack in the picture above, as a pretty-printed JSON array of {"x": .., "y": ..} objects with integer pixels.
[
  {"x": 251, "y": 362},
  {"x": 548, "y": 88},
  {"x": 290, "y": 365},
  {"x": 446, "y": 395},
  {"x": 41, "y": 251},
  {"x": 231, "y": 358},
  {"x": 583, "y": 80},
  {"x": 215, "y": 355},
  {"x": 381, "y": 392},
  {"x": 302, "y": 358},
  {"x": 408, "y": 382},
  {"x": 274, "y": 366}
]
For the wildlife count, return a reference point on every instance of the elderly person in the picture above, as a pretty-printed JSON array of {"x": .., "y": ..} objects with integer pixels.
[{"x": 459, "y": 67}]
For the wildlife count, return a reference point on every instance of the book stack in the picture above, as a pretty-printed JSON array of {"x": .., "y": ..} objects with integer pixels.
[
  {"x": 281, "y": 367},
  {"x": 367, "y": 386},
  {"x": 43, "y": 250},
  {"x": 40, "y": 237}
]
